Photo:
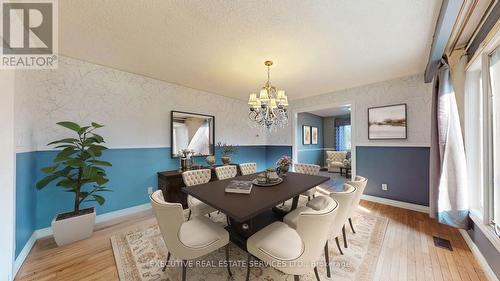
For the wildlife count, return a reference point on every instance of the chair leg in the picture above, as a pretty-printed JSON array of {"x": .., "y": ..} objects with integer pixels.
[
  {"x": 184, "y": 262},
  {"x": 166, "y": 263},
  {"x": 316, "y": 273},
  {"x": 248, "y": 266},
  {"x": 352, "y": 227},
  {"x": 189, "y": 215},
  {"x": 338, "y": 245},
  {"x": 296, "y": 278},
  {"x": 327, "y": 260},
  {"x": 227, "y": 261},
  {"x": 345, "y": 237}
]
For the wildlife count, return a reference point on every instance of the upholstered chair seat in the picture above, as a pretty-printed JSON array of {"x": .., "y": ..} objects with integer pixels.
[
  {"x": 187, "y": 240},
  {"x": 335, "y": 160},
  {"x": 248, "y": 168},
  {"x": 294, "y": 250},
  {"x": 308, "y": 169},
  {"x": 226, "y": 172},
  {"x": 196, "y": 177}
]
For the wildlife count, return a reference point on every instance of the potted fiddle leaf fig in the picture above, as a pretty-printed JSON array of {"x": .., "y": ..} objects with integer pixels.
[{"x": 77, "y": 169}]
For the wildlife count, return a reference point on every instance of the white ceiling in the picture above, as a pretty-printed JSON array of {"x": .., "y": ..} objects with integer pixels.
[
  {"x": 219, "y": 46},
  {"x": 334, "y": 111}
]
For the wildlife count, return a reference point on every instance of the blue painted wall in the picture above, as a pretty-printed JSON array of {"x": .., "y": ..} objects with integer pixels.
[
  {"x": 25, "y": 198},
  {"x": 275, "y": 152},
  {"x": 404, "y": 169},
  {"x": 309, "y": 153},
  {"x": 132, "y": 172}
]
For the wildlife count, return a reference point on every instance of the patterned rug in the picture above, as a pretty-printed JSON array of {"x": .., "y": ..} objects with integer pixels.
[{"x": 140, "y": 256}]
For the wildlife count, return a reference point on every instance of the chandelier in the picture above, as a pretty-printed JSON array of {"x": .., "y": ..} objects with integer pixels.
[{"x": 269, "y": 109}]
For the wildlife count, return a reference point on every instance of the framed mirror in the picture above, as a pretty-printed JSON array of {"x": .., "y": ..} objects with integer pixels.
[{"x": 192, "y": 131}]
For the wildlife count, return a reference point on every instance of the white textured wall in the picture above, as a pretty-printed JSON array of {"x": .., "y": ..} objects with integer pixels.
[
  {"x": 135, "y": 109},
  {"x": 410, "y": 90}
]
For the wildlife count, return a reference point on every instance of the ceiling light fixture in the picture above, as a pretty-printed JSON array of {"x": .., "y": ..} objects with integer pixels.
[{"x": 269, "y": 109}]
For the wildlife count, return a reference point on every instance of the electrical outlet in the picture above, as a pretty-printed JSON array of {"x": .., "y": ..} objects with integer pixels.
[
  {"x": 150, "y": 190},
  {"x": 384, "y": 186}
]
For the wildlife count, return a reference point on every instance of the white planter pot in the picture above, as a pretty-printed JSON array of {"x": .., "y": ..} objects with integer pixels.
[{"x": 73, "y": 229}]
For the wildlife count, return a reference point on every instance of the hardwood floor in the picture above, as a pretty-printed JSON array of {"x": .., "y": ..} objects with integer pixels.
[{"x": 408, "y": 252}]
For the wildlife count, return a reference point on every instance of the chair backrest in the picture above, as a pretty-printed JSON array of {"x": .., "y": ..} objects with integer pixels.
[
  {"x": 308, "y": 169},
  {"x": 248, "y": 168},
  {"x": 336, "y": 156},
  {"x": 226, "y": 172},
  {"x": 345, "y": 199},
  {"x": 170, "y": 218},
  {"x": 359, "y": 183},
  {"x": 196, "y": 177},
  {"x": 313, "y": 227}
]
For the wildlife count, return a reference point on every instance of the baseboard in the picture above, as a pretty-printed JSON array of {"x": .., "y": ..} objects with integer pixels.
[
  {"x": 479, "y": 256},
  {"x": 395, "y": 203},
  {"x": 24, "y": 253},
  {"x": 45, "y": 232}
]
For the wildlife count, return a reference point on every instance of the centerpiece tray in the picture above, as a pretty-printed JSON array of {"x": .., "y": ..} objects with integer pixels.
[{"x": 269, "y": 183}]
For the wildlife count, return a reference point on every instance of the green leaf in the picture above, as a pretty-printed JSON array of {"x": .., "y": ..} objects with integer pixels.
[
  {"x": 46, "y": 180},
  {"x": 67, "y": 140},
  {"x": 95, "y": 125},
  {"x": 100, "y": 200},
  {"x": 50, "y": 169},
  {"x": 89, "y": 172},
  {"x": 75, "y": 163},
  {"x": 101, "y": 180},
  {"x": 83, "y": 130},
  {"x": 67, "y": 183},
  {"x": 66, "y": 145},
  {"x": 98, "y": 138},
  {"x": 70, "y": 125},
  {"x": 100, "y": 163}
]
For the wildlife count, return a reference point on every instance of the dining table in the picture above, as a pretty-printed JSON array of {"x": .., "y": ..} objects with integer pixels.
[{"x": 248, "y": 213}]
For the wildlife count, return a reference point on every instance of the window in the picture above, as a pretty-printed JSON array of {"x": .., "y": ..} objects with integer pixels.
[
  {"x": 343, "y": 138},
  {"x": 482, "y": 138}
]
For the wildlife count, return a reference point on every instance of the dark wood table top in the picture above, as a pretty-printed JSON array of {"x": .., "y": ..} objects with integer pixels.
[{"x": 242, "y": 207}]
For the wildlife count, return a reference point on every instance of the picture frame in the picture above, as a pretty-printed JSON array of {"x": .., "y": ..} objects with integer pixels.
[
  {"x": 388, "y": 122},
  {"x": 314, "y": 135},
  {"x": 306, "y": 134}
]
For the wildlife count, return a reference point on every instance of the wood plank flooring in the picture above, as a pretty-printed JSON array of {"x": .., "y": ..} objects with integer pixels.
[{"x": 408, "y": 252}]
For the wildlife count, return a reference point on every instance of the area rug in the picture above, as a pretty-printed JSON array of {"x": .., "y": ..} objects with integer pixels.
[{"x": 140, "y": 256}]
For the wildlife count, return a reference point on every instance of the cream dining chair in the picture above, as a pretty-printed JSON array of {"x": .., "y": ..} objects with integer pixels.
[
  {"x": 359, "y": 183},
  {"x": 294, "y": 251},
  {"x": 187, "y": 240},
  {"x": 308, "y": 169},
  {"x": 226, "y": 172},
  {"x": 345, "y": 199},
  {"x": 248, "y": 168},
  {"x": 196, "y": 177}
]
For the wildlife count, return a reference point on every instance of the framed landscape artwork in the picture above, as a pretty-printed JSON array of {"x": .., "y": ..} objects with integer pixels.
[
  {"x": 306, "y": 134},
  {"x": 314, "y": 135},
  {"x": 387, "y": 122}
]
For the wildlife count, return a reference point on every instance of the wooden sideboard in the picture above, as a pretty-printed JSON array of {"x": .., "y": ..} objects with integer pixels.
[{"x": 171, "y": 184}]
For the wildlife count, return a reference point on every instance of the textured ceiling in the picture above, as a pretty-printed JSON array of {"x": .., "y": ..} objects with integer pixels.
[{"x": 219, "y": 46}]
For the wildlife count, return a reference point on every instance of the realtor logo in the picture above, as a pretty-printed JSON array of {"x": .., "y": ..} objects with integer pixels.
[{"x": 29, "y": 34}]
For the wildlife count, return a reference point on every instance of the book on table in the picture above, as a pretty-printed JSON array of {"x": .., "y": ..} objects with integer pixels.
[{"x": 236, "y": 186}]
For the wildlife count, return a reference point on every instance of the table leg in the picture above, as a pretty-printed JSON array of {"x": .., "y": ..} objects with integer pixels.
[{"x": 295, "y": 202}]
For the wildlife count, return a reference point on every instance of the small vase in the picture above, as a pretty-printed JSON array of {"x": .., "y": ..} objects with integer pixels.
[
  {"x": 284, "y": 170},
  {"x": 226, "y": 160},
  {"x": 184, "y": 164},
  {"x": 210, "y": 160}
]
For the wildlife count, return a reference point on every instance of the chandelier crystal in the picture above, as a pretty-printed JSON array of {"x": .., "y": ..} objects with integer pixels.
[{"x": 269, "y": 109}]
